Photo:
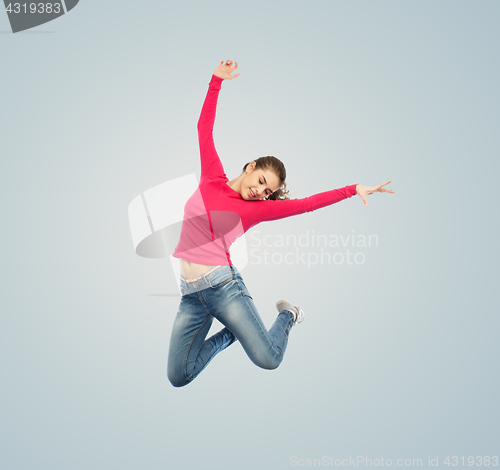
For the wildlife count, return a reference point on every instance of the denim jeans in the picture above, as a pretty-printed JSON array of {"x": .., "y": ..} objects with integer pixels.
[{"x": 221, "y": 294}]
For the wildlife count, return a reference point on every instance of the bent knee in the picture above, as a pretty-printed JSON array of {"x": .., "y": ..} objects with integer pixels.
[
  {"x": 177, "y": 380},
  {"x": 178, "y": 383},
  {"x": 267, "y": 363}
]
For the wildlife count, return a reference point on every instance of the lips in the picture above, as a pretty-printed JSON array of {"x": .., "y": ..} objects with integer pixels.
[{"x": 251, "y": 193}]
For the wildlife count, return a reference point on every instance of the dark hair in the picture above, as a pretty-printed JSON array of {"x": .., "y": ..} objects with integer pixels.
[{"x": 275, "y": 165}]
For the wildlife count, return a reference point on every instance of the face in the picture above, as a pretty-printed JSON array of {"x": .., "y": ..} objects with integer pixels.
[{"x": 258, "y": 182}]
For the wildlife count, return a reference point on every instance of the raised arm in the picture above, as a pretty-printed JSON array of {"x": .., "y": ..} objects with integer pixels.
[
  {"x": 273, "y": 210},
  {"x": 210, "y": 161}
]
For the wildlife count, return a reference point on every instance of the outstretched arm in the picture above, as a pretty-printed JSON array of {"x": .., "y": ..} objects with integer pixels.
[
  {"x": 273, "y": 210},
  {"x": 210, "y": 161}
]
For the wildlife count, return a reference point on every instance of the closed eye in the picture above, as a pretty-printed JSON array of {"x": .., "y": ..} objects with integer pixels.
[{"x": 267, "y": 193}]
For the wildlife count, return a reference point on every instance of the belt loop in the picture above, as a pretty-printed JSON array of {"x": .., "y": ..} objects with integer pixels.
[
  {"x": 207, "y": 280},
  {"x": 232, "y": 271}
]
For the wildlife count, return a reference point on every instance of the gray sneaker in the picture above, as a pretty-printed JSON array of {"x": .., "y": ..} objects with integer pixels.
[{"x": 297, "y": 312}]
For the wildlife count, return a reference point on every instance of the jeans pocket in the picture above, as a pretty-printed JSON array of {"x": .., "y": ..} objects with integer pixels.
[
  {"x": 243, "y": 288},
  {"x": 220, "y": 283}
]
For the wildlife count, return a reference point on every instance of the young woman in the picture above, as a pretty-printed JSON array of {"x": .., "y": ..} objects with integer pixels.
[{"x": 217, "y": 214}]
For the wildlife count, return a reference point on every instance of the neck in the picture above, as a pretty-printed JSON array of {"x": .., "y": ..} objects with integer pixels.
[{"x": 236, "y": 183}]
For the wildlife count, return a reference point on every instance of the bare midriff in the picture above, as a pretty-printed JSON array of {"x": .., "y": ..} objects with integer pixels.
[{"x": 191, "y": 270}]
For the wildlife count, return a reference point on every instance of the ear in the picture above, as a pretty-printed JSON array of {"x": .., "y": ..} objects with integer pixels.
[{"x": 251, "y": 166}]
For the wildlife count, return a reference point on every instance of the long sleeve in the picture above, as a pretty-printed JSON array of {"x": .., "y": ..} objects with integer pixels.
[
  {"x": 210, "y": 161},
  {"x": 273, "y": 210}
]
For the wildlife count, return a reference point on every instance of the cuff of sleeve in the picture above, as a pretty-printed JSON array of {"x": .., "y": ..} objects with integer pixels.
[
  {"x": 216, "y": 82},
  {"x": 352, "y": 189}
]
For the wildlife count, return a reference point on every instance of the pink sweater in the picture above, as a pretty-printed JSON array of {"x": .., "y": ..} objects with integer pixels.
[{"x": 216, "y": 215}]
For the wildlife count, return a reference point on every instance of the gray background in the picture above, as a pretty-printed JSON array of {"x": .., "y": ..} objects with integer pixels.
[{"x": 397, "y": 357}]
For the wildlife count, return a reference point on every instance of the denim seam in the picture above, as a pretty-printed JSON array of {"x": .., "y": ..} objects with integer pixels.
[
  {"x": 184, "y": 365},
  {"x": 223, "y": 283},
  {"x": 290, "y": 322},
  {"x": 211, "y": 357},
  {"x": 266, "y": 333}
]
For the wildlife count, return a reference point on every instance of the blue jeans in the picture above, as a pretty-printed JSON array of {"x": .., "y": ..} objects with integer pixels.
[{"x": 221, "y": 294}]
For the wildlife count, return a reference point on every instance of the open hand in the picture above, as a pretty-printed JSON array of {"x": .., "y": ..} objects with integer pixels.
[
  {"x": 224, "y": 70},
  {"x": 363, "y": 191}
]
